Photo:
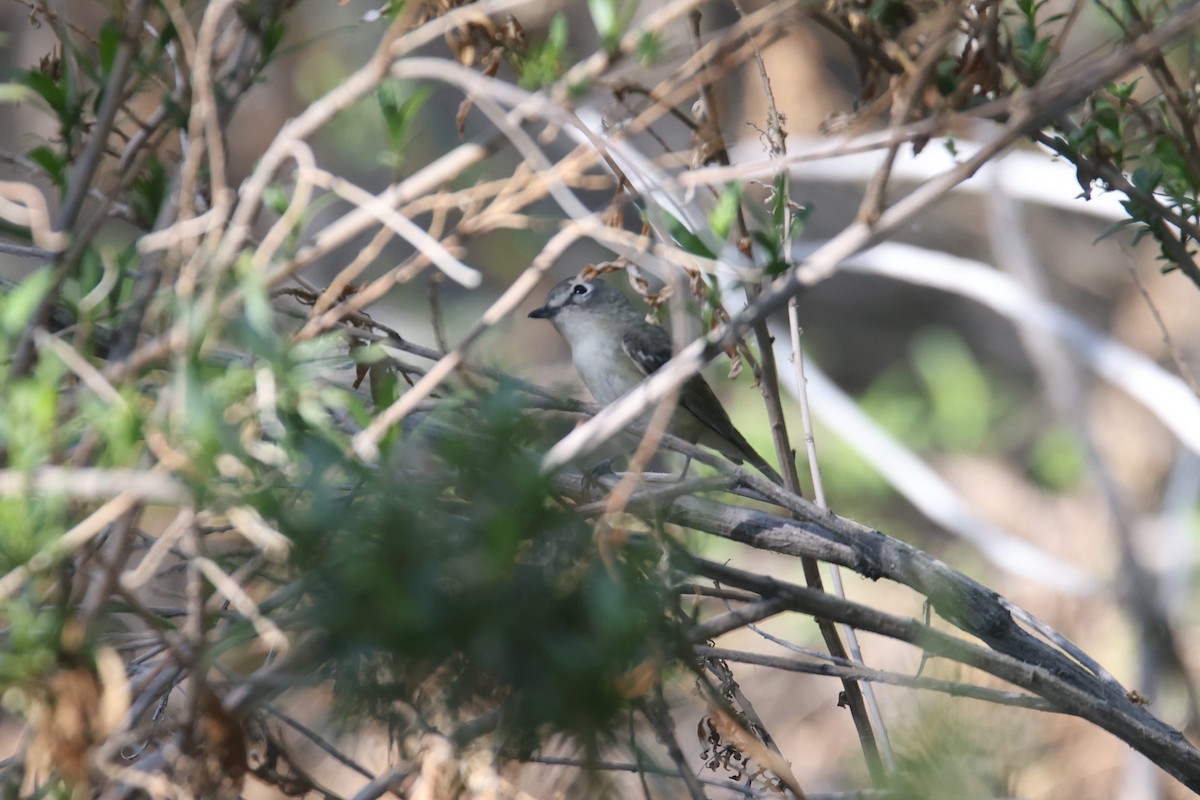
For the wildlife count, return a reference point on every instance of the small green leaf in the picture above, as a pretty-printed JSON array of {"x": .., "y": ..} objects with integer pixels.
[
  {"x": 544, "y": 62},
  {"x": 611, "y": 18},
  {"x": 276, "y": 198},
  {"x": 556, "y": 38},
  {"x": 685, "y": 238},
  {"x": 1167, "y": 153},
  {"x": 110, "y": 39},
  {"x": 53, "y": 93},
  {"x": 53, "y": 162},
  {"x": 399, "y": 104},
  {"x": 604, "y": 17},
  {"x": 725, "y": 212},
  {"x": 18, "y": 307},
  {"x": 272, "y": 36},
  {"x": 780, "y": 200},
  {"x": 649, "y": 49}
]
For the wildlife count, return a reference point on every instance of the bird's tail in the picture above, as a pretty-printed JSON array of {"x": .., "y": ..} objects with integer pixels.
[
  {"x": 750, "y": 454},
  {"x": 762, "y": 466}
]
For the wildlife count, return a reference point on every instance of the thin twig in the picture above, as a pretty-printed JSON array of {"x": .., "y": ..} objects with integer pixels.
[
  {"x": 659, "y": 716},
  {"x": 861, "y": 673}
]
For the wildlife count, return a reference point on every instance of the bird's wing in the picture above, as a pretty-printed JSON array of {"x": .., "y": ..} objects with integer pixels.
[{"x": 649, "y": 346}]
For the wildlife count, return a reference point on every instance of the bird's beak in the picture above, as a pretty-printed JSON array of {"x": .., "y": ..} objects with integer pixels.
[{"x": 545, "y": 312}]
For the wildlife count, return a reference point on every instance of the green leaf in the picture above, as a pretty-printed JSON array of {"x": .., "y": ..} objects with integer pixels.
[
  {"x": 725, "y": 212},
  {"x": 62, "y": 98},
  {"x": 611, "y": 18},
  {"x": 272, "y": 36},
  {"x": 544, "y": 62},
  {"x": 556, "y": 38},
  {"x": 780, "y": 200},
  {"x": 53, "y": 93},
  {"x": 20, "y": 304},
  {"x": 771, "y": 245},
  {"x": 1172, "y": 161},
  {"x": 604, "y": 17},
  {"x": 53, "y": 162},
  {"x": 276, "y": 198},
  {"x": 685, "y": 238},
  {"x": 399, "y": 105},
  {"x": 1123, "y": 91},
  {"x": 649, "y": 49},
  {"x": 110, "y": 39}
]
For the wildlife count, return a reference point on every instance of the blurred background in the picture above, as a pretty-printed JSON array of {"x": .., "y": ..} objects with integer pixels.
[{"x": 1047, "y": 482}]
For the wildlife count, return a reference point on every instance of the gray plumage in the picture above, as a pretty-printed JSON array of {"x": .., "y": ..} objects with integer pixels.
[{"x": 614, "y": 348}]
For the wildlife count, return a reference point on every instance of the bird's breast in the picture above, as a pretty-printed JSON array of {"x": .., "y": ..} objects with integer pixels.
[{"x": 606, "y": 370}]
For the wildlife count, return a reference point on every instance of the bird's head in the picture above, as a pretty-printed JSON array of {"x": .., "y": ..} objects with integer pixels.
[{"x": 579, "y": 300}]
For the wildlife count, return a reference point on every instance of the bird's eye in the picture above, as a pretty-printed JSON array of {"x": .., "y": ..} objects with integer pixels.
[{"x": 581, "y": 289}]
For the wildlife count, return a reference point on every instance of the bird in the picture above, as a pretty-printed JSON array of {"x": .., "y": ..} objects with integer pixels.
[{"x": 614, "y": 348}]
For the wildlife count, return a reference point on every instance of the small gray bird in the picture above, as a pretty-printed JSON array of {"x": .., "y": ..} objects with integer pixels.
[{"x": 614, "y": 348}]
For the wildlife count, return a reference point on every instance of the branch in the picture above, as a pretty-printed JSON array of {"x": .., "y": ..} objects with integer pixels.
[
  {"x": 1015, "y": 655},
  {"x": 1042, "y": 670},
  {"x": 857, "y": 672}
]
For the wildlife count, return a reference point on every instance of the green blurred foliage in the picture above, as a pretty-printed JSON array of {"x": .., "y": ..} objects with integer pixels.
[
  {"x": 450, "y": 577},
  {"x": 939, "y": 398},
  {"x": 612, "y": 18},
  {"x": 960, "y": 408},
  {"x": 1030, "y": 40},
  {"x": 545, "y": 61},
  {"x": 848, "y": 474},
  {"x": 29, "y": 642},
  {"x": 453, "y": 566},
  {"x": 942, "y": 399},
  {"x": 943, "y": 753},
  {"x": 649, "y": 49},
  {"x": 31, "y": 435},
  {"x": 724, "y": 213},
  {"x": 400, "y": 103},
  {"x": 1056, "y": 460}
]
